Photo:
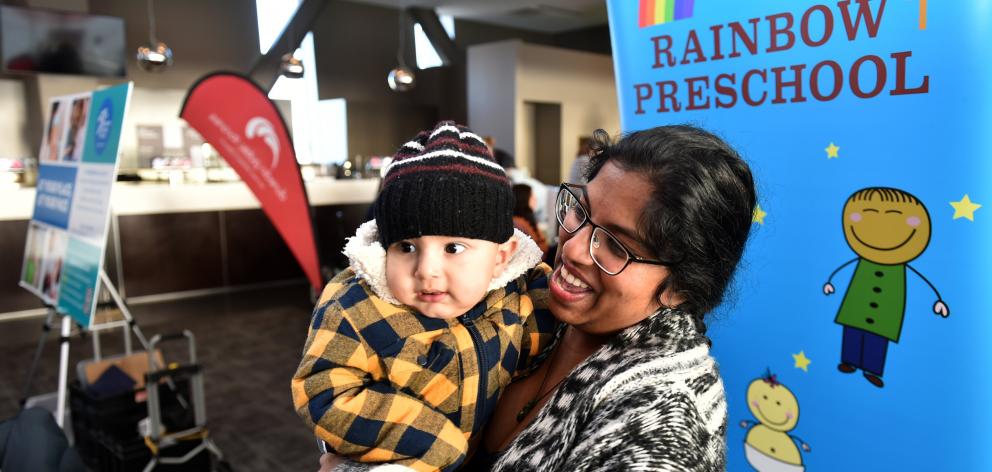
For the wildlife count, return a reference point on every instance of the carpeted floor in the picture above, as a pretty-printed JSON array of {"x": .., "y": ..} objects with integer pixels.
[{"x": 249, "y": 344}]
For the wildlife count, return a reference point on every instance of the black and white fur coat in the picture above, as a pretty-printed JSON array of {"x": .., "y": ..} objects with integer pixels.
[{"x": 651, "y": 399}]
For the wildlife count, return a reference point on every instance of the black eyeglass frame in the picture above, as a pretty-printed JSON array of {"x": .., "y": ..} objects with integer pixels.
[{"x": 631, "y": 257}]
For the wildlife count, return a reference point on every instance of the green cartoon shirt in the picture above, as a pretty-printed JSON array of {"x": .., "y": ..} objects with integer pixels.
[{"x": 875, "y": 299}]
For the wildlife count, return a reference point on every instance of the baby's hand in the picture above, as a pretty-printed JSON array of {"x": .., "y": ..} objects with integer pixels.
[{"x": 828, "y": 288}]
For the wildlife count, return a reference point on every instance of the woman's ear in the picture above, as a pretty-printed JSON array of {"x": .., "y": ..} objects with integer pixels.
[
  {"x": 670, "y": 298},
  {"x": 504, "y": 252}
]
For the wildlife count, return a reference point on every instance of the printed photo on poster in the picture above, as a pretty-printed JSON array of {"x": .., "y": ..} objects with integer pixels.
[
  {"x": 75, "y": 137},
  {"x": 53, "y": 132},
  {"x": 33, "y": 253},
  {"x": 51, "y": 264}
]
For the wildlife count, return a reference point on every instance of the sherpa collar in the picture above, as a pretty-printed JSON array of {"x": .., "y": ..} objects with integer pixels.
[{"x": 368, "y": 259}]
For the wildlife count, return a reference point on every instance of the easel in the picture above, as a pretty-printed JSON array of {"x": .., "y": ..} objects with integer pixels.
[{"x": 126, "y": 323}]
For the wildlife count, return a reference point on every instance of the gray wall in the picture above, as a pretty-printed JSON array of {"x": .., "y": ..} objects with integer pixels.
[{"x": 355, "y": 48}]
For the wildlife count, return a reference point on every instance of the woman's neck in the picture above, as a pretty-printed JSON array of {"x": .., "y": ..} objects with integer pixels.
[{"x": 578, "y": 345}]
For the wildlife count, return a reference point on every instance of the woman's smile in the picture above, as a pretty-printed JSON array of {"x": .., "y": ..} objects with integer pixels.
[{"x": 566, "y": 287}]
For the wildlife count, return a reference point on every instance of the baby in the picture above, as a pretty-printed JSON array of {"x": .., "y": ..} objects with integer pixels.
[{"x": 443, "y": 303}]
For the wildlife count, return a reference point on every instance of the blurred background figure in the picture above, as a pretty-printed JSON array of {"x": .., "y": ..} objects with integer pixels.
[
  {"x": 576, "y": 174},
  {"x": 523, "y": 215},
  {"x": 502, "y": 157}
]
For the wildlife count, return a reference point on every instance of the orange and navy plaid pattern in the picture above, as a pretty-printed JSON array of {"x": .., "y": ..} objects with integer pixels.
[{"x": 381, "y": 383}]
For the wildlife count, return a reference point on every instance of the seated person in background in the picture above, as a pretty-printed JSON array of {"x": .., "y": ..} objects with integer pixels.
[
  {"x": 523, "y": 215},
  {"x": 410, "y": 348}
]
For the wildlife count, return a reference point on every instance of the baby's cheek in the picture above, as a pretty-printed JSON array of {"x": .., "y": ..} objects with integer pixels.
[
  {"x": 913, "y": 221},
  {"x": 855, "y": 217}
]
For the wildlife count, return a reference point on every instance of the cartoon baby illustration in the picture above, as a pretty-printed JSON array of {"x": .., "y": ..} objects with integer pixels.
[
  {"x": 887, "y": 228},
  {"x": 768, "y": 445}
]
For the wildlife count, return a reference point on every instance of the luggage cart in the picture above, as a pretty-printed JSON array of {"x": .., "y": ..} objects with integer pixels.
[{"x": 156, "y": 437}]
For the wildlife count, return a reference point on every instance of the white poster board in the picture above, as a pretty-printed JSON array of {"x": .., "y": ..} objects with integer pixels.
[{"x": 77, "y": 168}]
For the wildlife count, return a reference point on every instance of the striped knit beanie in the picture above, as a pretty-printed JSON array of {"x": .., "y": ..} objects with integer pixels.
[{"x": 444, "y": 182}]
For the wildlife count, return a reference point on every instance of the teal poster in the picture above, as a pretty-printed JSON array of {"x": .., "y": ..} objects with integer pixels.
[
  {"x": 68, "y": 230},
  {"x": 856, "y": 333}
]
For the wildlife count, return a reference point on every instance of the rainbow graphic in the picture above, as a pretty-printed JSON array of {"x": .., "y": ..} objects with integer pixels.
[
  {"x": 656, "y": 12},
  {"x": 923, "y": 14}
]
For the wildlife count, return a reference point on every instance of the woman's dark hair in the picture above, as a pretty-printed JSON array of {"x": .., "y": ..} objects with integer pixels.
[
  {"x": 699, "y": 213},
  {"x": 521, "y": 207}
]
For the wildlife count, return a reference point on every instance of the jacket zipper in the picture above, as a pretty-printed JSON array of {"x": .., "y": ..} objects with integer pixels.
[{"x": 473, "y": 331}]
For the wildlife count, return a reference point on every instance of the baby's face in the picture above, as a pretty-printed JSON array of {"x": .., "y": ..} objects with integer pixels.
[{"x": 442, "y": 276}]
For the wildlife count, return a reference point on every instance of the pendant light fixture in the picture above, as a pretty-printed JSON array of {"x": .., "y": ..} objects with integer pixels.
[
  {"x": 156, "y": 56},
  {"x": 291, "y": 67},
  {"x": 401, "y": 78}
]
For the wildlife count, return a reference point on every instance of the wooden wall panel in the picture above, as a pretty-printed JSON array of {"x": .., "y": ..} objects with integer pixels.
[
  {"x": 176, "y": 252},
  {"x": 170, "y": 252},
  {"x": 255, "y": 251}
]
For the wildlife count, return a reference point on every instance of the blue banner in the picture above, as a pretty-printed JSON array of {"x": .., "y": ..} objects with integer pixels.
[
  {"x": 855, "y": 337},
  {"x": 54, "y": 195}
]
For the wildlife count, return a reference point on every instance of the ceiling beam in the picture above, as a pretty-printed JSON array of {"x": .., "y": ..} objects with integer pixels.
[{"x": 436, "y": 34}]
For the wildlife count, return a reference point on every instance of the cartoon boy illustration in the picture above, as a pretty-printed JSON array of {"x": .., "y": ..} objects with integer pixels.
[
  {"x": 768, "y": 445},
  {"x": 887, "y": 228}
]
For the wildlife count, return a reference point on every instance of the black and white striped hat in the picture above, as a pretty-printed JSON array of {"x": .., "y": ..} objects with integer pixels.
[{"x": 444, "y": 182}]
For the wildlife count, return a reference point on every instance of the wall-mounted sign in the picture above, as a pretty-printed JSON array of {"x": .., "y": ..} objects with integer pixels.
[{"x": 863, "y": 294}]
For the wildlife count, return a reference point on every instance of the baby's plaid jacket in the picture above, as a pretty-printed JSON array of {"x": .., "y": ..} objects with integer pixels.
[{"x": 382, "y": 383}]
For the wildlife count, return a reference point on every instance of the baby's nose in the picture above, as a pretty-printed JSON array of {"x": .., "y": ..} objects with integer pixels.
[{"x": 428, "y": 266}]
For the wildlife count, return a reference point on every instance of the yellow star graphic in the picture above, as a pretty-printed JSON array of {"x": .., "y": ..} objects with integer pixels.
[
  {"x": 802, "y": 362},
  {"x": 759, "y": 215},
  {"x": 832, "y": 150},
  {"x": 965, "y": 208}
]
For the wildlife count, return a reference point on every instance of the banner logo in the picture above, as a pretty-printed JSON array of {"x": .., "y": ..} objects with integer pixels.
[
  {"x": 656, "y": 12},
  {"x": 260, "y": 127},
  {"x": 104, "y": 123}
]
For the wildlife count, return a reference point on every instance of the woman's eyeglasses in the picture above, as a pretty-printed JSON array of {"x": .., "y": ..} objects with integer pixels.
[{"x": 605, "y": 249}]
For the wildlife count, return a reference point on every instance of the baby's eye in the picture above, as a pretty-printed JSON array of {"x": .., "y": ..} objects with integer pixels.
[
  {"x": 454, "y": 248},
  {"x": 406, "y": 247}
]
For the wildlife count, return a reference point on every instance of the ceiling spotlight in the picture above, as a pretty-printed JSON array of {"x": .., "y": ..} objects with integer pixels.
[
  {"x": 155, "y": 59},
  {"x": 291, "y": 67},
  {"x": 401, "y": 79},
  {"x": 156, "y": 56}
]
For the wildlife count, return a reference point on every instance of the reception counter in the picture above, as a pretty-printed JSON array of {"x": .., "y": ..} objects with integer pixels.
[{"x": 169, "y": 241}]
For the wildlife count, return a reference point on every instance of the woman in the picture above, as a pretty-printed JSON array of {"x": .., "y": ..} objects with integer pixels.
[
  {"x": 523, "y": 215},
  {"x": 647, "y": 248}
]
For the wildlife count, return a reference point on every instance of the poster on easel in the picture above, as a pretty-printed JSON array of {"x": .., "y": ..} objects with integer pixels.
[
  {"x": 856, "y": 333},
  {"x": 77, "y": 167}
]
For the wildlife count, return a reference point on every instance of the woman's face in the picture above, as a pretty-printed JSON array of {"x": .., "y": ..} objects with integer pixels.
[{"x": 584, "y": 296}]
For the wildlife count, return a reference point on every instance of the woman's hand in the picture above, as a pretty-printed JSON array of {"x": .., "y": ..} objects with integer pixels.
[{"x": 329, "y": 461}]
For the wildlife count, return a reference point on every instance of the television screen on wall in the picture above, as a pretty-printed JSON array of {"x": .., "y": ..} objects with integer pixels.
[{"x": 34, "y": 40}]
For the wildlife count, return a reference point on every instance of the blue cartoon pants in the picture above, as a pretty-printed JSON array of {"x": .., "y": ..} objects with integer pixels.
[{"x": 864, "y": 350}]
